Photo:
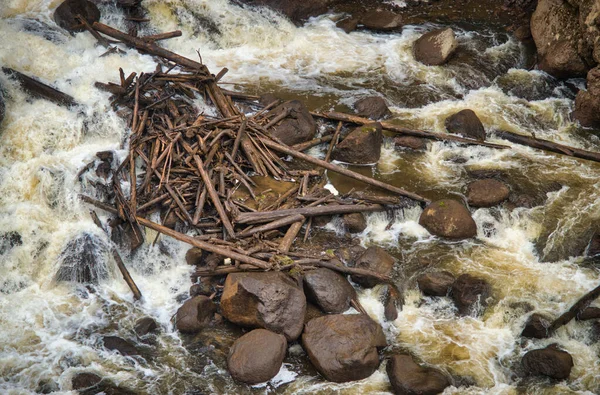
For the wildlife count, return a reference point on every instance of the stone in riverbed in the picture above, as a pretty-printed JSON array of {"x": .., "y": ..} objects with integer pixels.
[
  {"x": 587, "y": 102},
  {"x": 381, "y": 20},
  {"x": 348, "y": 24},
  {"x": 269, "y": 300},
  {"x": 145, "y": 325},
  {"x": 373, "y": 107},
  {"x": 116, "y": 343},
  {"x": 487, "y": 193},
  {"x": 409, "y": 378},
  {"x": 361, "y": 146},
  {"x": 436, "y": 47},
  {"x": 549, "y": 361},
  {"x": 375, "y": 259},
  {"x": 257, "y": 356},
  {"x": 470, "y": 292},
  {"x": 414, "y": 143},
  {"x": 537, "y": 326},
  {"x": 328, "y": 290},
  {"x": 299, "y": 126},
  {"x": 343, "y": 347},
  {"x": 85, "y": 380},
  {"x": 66, "y": 13},
  {"x": 195, "y": 314},
  {"x": 465, "y": 123},
  {"x": 448, "y": 218},
  {"x": 195, "y": 256},
  {"x": 355, "y": 222},
  {"x": 435, "y": 283}
]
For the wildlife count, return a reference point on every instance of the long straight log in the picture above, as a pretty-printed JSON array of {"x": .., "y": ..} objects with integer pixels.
[
  {"x": 546, "y": 145},
  {"x": 39, "y": 89},
  {"x": 346, "y": 270},
  {"x": 337, "y": 169},
  {"x": 181, "y": 237},
  {"x": 272, "y": 225},
  {"x": 338, "y": 116},
  {"x": 577, "y": 308},
  {"x": 267, "y": 216}
]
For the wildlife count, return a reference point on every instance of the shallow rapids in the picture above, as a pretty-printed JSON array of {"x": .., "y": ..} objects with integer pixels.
[{"x": 51, "y": 330}]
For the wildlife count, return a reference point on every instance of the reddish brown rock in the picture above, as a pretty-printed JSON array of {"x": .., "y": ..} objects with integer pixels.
[
  {"x": 537, "y": 326},
  {"x": 409, "y": 378},
  {"x": 195, "y": 314},
  {"x": 435, "y": 283},
  {"x": 328, "y": 290},
  {"x": 299, "y": 126},
  {"x": 373, "y": 107},
  {"x": 257, "y": 356},
  {"x": 436, "y": 47},
  {"x": 465, "y": 123},
  {"x": 448, "y": 218},
  {"x": 487, "y": 193},
  {"x": 549, "y": 361},
  {"x": 355, "y": 222},
  {"x": 377, "y": 260},
  {"x": 469, "y": 293},
  {"x": 361, "y": 146},
  {"x": 65, "y": 15}
]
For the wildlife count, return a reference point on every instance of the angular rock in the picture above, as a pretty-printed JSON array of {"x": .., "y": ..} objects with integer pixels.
[
  {"x": 343, "y": 347},
  {"x": 373, "y": 107},
  {"x": 355, "y": 222},
  {"x": 411, "y": 142},
  {"x": 268, "y": 300},
  {"x": 299, "y": 126},
  {"x": 487, "y": 193},
  {"x": 145, "y": 325},
  {"x": 469, "y": 292},
  {"x": 435, "y": 283},
  {"x": 549, "y": 361},
  {"x": 66, "y": 13},
  {"x": 377, "y": 260},
  {"x": 465, "y": 123},
  {"x": 195, "y": 314},
  {"x": 257, "y": 356},
  {"x": 116, "y": 343},
  {"x": 408, "y": 377},
  {"x": 436, "y": 47},
  {"x": 349, "y": 255},
  {"x": 203, "y": 288},
  {"x": 361, "y": 146},
  {"x": 348, "y": 24},
  {"x": 448, "y": 218},
  {"x": 381, "y": 20},
  {"x": 589, "y": 313},
  {"x": 328, "y": 290},
  {"x": 537, "y": 326}
]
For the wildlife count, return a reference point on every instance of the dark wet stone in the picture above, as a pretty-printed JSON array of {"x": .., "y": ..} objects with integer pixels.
[
  {"x": 361, "y": 146},
  {"x": 195, "y": 256},
  {"x": 348, "y": 24},
  {"x": 469, "y": 292},
  {"x": 435, "y": 283},
  {"x": 537, "y": 326},
  {"x": 355, "y": 222},
  {"x": 377, "y": 260},
  {"x": 145, "y": 325},
  {"x": 349, "y": 255},
  {"x": 373, "y": 107},
  {"x": 381, "y": 20},
  {"x": 257, "y": 356},
  {"x": 85, "y": 380},
  {"x": 436, "y": 47},
  {"x": 465, "y": 123},
  {"x": 195, "y": 314},
  {"x": 299, "y": 126},
  {"x": 267, "y": 99},
  {"x": 203, "y": 288},
  {"x": 66, "y": 13},
  {"x": 411, "y": 142},
  {"x": 409, "y": 378},
  {"x": 549, "y": 361},
  {"x": 589, "y": 313},
  {"x": 448, "y": 218},
  {"x": 487, "y": 193},
  {"x": 121, "y": 345},
  {"x": 328, "y": 290}
]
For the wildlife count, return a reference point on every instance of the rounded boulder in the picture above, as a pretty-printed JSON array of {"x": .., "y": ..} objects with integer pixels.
[
  {"x": 448, "y": 218},
  {"x": 257, "y": 356}
]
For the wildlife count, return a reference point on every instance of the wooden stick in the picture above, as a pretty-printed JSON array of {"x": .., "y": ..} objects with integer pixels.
[
  {"x": 578, "y": 307},
  {"x": 162, "y": 36},
  {"x": 39, "y": 89},
  {"x": 333, "y": 141},
  {"x": 345, "y": 269},
  {"x": 290, "y": 235},
  {"x": 314, "y": 142},
  {"x": 272, "y": 225},
  {"x": 267, "y": 216}
]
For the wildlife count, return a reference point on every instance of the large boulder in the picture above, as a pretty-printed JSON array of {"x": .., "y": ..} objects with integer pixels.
[
  {"x": 257, "y": 356},
  {"x": 409, "y": 378},
  {"x": 195, "y": 314},
  {"x": 435, "y": 283},
  {"x": 328, "y": 290},
  {"x": 470, "y": 293},
  {"x": 549, "y": 361},
  {"x": 448, "y": 218},
  {"x": 557, "y": 35},
  {"x": 377, "y": 260},
  {"x": 465, "y": 123},
  {"x": 299, "y": 126},
  {"x": 436, "y": 47},
  {"x": 268, "y": 300},
  {"x": 65, "y": 15},
  {"x": 343, "y": 347},
  {"x": 537, "y": 326},
  {"x": 373, "y": 107},
  {"x": 487, "y": 193},
  {"x": 361, "y": 146},
  {"x": 587, "y": 102}
]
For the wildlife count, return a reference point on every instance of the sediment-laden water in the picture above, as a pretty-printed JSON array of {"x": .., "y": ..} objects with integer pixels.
[{"x": 51, "y": 330}]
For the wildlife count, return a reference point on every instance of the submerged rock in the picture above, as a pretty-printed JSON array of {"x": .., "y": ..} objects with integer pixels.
[
  {"x": 373, "y": 107},
  {"x": 116, "y": 343},
  {"x": 435, "y": 283},
  {"x": 268, "y": 300},
  {"x": 85, "y": 380},
  {"x": 549, "y": 361},
  {"x": 361, "y": 146},
  {"x": 448, "y": 218},
  {"x": 195, "y": 314},
  {"x": 409, "y": 378},
  {"x": 348, "y": 24},
  {"x": 257, "y": 356},
  {"x": 355, "y": 222},
  {"x": 84, "y": 260},
  {"x": 487, "y": 193},
  {"x": 377, "y": 260},
  {"x": 411, "y": 142},
  {"x": 589, "y": 313},
  {"x": 328, "y": 290},
  {"x": 465, "y": 123},
  {"x": 537, "y": 326},
  {"x": 343, "y": 347},
  {"x": 470, "y": 292},
  {"x": 66, "y": 13},
  {"x": 299, "y": 126},
  {"x": 145, "y": 325},
  {"x": 436, "y": 47}
]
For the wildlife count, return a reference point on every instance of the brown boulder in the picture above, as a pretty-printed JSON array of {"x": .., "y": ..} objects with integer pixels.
[
  {"x": 66, "y": 13},
  {"x": 268, "y": 300},
  {"x": 549, "y": 361},
  {"x": 343, "y": 347},
  {"x": 465, "y": 123},
  {"x": 448, "y": 218},
  {"x": 436, "y": 47},
  {"x": 361, "y": 146},
  {"x": 411, "y": 142},
  {"x": 587, "y": 102},
  {"x": 299, "y": 126},
  {"x": 195, "y": 314},
  {"x": 348, "y": 24},
  {"x": 355, "y": 222},
  {"x": 409, "y": 378},
  {"x": 257, "y": 356},
  {"x": 373, "y": 107},
  {"x": 487, "y": 193},
  {"x": 537, "y": 326},
  {"x": 377, "y": 260},
  {"x": 381, "y": 20},
  {"x": 435, "y": 283},
  {"x": 328, "y": 290},
  {"x": 469, "y": 292},
  {"x": 195, "y": 256}
]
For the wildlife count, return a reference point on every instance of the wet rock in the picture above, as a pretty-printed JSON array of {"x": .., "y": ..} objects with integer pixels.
[
  {"x": 465, "y": 123},
  {"x": 85, "y": 380},
  {"x": 549, "y": 361},
  {"x": 373, "y": 107},
  {"x": 435, "y": 283},
  {"x": 47, "y": 386},
  {"x": 328, "y": 290},
  {"x": 66, "y": 13},
  {"x": 408, "y": 377},
  {"x": 296, "y": 11},
  {"x": 116, "y": 343},
  {"x": 195, "y": 256},
  {"x": 9, "y": 240},
  {"x": 355, "y": 222},
  {"x": 267, "y": 99},
  {"x": 343, "y": 347},
  {"x": 469, "y": 293},
  {"x": 436, "y": 47},
  {"x": 195, "y": 314},
  {"x": 361, "y": 146},
  {"x": 537, "y": 326},
  {"x": 349, "y": 255},
  {"x": 448, "y": 218},
  {"x": 298, "y": 127},
  {"x": 487, "y": 193},
  {"x": 312, "y": 312},
  {"x": 83, "y": 260},
  {"x": 381, "y": 20},
  {"x": 411, "y": 142},
  {"x": 523, "y": 33},
  {"x": 589, "y": 313},
  {"x": 348, "y": 24},
  {"x": 145, "y": 325},
  {"x": 394, "y": 299},
  {"x": 2, "y": 106},
  {"x": 257, "y": 356},
  {"x": 268, "y": 300},
  {"x": 203, "y": 288},
  {"x": 321, "y": 220},
  {"x": 587, "y": 102},
  {"x": 377, "y": 260}
]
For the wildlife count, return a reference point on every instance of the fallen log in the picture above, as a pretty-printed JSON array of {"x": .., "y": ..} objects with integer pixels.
[
  {"x": 311, "y": 143},
  {"x": 345, "y": 270},
  {"x": 272, "y": 225},
  {"x": 267, "y": 216},
  {"x": 290, "y": 235},
  {"x": 39, "y": 89},
  {"x": 576, "y": 309}
]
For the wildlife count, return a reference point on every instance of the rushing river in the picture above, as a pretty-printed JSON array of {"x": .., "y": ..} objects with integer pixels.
[{"x": 51, "y": 330}]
